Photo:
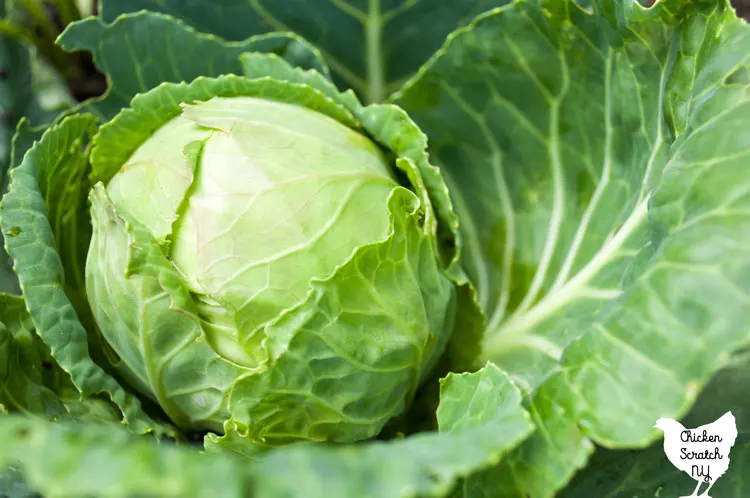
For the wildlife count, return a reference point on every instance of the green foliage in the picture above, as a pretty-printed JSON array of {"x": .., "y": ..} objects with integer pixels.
[
  {"x": 547, "y": 251},
  {"x": 107, "y": 461},
  {"x": 646, "y": 473},
  {"x": 162, "y": 49},
  {"x": 602, "y": 228},
  {"x": 372, "y": 46}
]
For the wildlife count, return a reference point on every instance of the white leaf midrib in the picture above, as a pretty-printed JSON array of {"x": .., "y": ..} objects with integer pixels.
[
  {"x": 515, "y": 330},
  {"x": 575, "y": 288}
]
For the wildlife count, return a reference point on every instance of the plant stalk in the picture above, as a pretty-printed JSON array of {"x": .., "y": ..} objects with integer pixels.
[
  {"x": 47, "y": 48},
  {"x": 68, "y": 10},
  {"x": 374, "y": 54},
  {"x": 18, "y": 33},
  {"x": 40, "y": 18}
]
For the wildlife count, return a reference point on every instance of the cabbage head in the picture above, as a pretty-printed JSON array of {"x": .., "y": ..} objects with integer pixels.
[{"x": 270, "y": 261}]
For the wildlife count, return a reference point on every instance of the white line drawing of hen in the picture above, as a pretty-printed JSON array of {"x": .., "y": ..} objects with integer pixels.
[{"x": 713, "y": 441}]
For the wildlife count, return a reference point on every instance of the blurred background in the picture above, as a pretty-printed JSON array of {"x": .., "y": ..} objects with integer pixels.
[{"x": 743, "y": 8}]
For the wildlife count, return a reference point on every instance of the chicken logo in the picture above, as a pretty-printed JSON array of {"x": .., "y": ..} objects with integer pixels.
[{"x": 703, "y": 452}]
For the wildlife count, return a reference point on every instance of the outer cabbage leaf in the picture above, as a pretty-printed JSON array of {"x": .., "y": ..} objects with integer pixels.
[
  {"x": 142, "y": 317},
  {"x": 107, "y": 461},
  {"x": 15, "y": 99},
  {"x": 44, "y": 221},
  {"x": 372, "y": 46},
  {"x": 593, "y": 156},
  {"x": 23, "y": 139},
  {"x": 139, "y": 51},
  {"x": 392, "y": 289},
  {"x": 647, "y": 473},
  {"x": 480, "y": 417},
  {"x": 25, "y": 365},
  {"x": 32, "y": 384}
]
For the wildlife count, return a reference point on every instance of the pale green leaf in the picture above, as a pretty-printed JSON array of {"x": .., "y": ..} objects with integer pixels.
[
  {"x": 25, "y": 364},
  {"x": 107, "y": 461},
  {"x": 119, "y": 138}
]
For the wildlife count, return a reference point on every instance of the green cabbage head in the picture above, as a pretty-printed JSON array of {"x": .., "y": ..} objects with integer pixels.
[{"x": 266, "y": 261}]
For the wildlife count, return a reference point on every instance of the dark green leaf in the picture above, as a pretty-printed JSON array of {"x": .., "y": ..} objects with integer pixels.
[
  {"x": 140, "y": 51},
  {"x": 372, "y": 46}
]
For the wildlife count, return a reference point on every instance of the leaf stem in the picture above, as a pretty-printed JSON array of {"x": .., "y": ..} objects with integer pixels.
[
  {"x": 40, "y": 17},
  {"x": 46, "y": 47},
  {"x": 374, "y": 55},
  {"x": 68, "y": 10},
  {"x": 18, "y": 33}
]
